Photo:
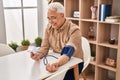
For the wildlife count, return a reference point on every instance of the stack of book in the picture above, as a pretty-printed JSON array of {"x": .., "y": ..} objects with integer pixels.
[{"x": 112, "y": 19}]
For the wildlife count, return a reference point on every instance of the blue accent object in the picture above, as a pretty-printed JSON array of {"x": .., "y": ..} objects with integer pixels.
[
  {"x": 68, "y": 50},
  {"x": 105, "y": 10}
]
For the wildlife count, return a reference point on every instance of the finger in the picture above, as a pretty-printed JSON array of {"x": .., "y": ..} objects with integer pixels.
[
  {"x": 54, "y": 68},
  {"x": 34, "y": 57},
  {"x": 48, "y": 67},
  {"x": 51, "y": 68},
  {"x": 31, "y": 54},
  {"x": 39, "y": 56}
]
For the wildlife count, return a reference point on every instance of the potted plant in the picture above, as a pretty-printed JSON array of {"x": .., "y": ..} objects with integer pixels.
[
  {"x": 13, "y": 45},
  {"x": 38, "y": 41},
  {"x": 93, "y": 54},
  {"x": 25, "y": 44}
]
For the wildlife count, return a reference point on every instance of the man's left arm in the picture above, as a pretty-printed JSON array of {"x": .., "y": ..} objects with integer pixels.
[
  {"x": 70, "y": 49},
  {"x": 67, "y": 52}
]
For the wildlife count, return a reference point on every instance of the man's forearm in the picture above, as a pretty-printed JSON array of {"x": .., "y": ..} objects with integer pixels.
[{"x": 62, "y": 60}]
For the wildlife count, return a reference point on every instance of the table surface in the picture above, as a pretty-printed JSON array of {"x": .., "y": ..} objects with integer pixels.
[{"x": 19, "y": 66}]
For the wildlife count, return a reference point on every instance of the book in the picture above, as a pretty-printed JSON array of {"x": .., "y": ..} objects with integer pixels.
[
  {"x": 112, "y": 19},
  {"x": 105, "y": 11}
]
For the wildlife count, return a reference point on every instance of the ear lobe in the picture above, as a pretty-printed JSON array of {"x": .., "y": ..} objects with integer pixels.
[{"x": 62, "y": 14}]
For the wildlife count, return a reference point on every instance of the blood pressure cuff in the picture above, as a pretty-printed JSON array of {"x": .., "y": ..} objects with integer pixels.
[{"x": 68, "y": 50}]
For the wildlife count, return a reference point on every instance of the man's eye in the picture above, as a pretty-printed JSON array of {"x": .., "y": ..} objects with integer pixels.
[
  {"x": 48, "y": 18},
  {"x": 53, "y": 17}
]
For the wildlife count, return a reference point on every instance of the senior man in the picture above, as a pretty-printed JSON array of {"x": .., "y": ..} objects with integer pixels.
[{"x": 63, "y": 37}]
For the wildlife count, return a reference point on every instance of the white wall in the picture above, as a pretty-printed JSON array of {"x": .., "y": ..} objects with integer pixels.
[
  {"x": 42, "y": 16},
  {"x": 2, "y": 25}
]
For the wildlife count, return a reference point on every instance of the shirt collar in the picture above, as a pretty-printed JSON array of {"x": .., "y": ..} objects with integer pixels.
[{"x": 63, "y": 26}]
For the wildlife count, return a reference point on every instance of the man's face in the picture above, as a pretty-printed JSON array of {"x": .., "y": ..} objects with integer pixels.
[{"x": 55, "y": 19}]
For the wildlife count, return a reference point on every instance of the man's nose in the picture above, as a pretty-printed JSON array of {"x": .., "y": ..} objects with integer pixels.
[{"x": 50, "y": 21}]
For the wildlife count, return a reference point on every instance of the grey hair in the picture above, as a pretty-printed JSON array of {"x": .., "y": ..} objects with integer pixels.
[{"x": 56, "y": 5}]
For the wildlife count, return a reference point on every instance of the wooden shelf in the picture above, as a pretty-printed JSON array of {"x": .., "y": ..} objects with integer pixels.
[
  {"x": 71, "y": 18},
  {"x": 93, "y": 62},
  {"x": 92, "y": 41},
  {"x": 109, "y": 22},
  {"x": 106, "y": 44},
  {"x": 88, "y": 20},
  {"x": 107, "y": 67},
  {"x": 102, "y": 31}
]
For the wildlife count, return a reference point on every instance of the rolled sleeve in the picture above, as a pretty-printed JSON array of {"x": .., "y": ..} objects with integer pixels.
[{"x": 75, "y": 38}]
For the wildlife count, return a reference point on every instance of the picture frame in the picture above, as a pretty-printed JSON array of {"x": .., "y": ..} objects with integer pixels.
[{"x": 76, "y": 14}]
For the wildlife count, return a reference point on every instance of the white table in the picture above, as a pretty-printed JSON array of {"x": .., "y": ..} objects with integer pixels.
[{"x": 20, "y": 66}]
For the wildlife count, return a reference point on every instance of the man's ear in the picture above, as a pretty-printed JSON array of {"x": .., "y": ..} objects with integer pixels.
[{"x": 62, "y": 14}]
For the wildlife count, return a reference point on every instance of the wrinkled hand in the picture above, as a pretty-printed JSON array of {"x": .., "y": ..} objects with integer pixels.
[
  {"x": 35, "y": 57},
  {"x": 52, "y": 67}
]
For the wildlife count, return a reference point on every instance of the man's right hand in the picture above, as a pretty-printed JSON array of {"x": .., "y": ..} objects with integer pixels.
[{"x": 35, "y": 57}]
